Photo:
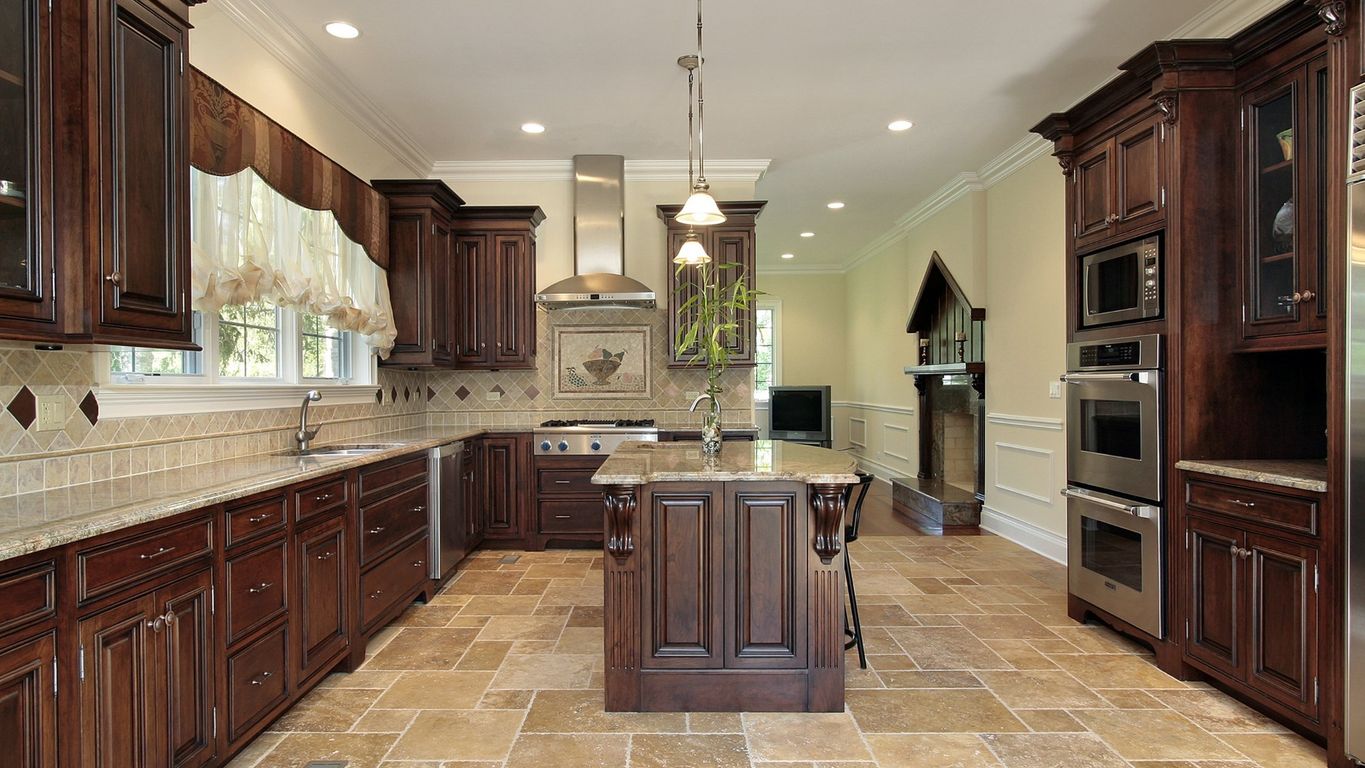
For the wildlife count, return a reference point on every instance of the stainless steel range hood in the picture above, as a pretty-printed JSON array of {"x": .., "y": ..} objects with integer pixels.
[{"x": 599, "y": 242}]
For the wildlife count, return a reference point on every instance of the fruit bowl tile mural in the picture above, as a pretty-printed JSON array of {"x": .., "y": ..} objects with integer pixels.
[{"x": 609, "y": 362}]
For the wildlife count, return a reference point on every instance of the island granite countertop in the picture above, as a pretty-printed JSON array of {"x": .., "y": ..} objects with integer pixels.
[
  {"x": 1304, "y": 474},
  {"x": 32, "y": 522},
  {"x": 637, "y": 463}
]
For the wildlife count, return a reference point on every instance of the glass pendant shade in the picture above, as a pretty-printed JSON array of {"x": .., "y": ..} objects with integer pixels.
[
  {"x": 700, "y": 211},
  {"x": 692, "y": 252}
]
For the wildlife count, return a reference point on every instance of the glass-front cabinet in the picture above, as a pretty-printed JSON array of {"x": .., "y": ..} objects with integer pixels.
[
  {"x": 1285, "y": 124},
  {"x": 25, "y": 164}
]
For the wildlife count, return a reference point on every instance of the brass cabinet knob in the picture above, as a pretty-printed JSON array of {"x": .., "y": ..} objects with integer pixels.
[
  {"x": 1309, "y": 295},
  {"x": 114, "y": 277},
  {"x": 1297, "y": 298},
  {"x": 1112, "y": 218}
]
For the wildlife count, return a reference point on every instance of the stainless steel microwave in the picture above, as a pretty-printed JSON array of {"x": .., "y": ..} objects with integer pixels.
[{"x": 1121, "y": 284}]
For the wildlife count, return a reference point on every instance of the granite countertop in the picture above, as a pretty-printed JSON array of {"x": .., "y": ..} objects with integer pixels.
[
  {"x": 1304, "y": 474},
  {"x": 636, "y": 463},
  {"x": 32, "y": 522}
]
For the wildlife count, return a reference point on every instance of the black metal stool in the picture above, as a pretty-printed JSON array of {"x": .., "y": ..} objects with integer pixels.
[{"x": 851, "y": 535}]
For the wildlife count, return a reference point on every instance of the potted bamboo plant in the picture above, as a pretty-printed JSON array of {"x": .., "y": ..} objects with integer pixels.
[{"x": 706, "y": 321}]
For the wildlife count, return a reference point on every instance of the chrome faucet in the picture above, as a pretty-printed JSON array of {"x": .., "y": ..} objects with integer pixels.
[
  {"x": 305, "y": 435},
  {"x": 706, "y": 396}
]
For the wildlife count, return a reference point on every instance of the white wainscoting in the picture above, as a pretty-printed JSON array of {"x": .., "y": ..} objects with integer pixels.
[
  {"x": 1025, "y": 470},
  {"x": 896, "y": 436},
  {"x": 1025, "y": 473},
  {"x": 857, "y": 432},
  {"x": 1024, "y": 533},
  {"x": 880, "y": 436}
]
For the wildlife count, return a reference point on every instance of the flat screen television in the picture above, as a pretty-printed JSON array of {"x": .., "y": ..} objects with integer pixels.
[{"x": 799, "y": 414}]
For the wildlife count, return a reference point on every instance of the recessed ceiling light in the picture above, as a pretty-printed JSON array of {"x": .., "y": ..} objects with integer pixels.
[
  {"x": 343, "y": 30},
  {"x": 900, "y": 125},
  {"x": 836, "y": 205},
  {"x": 532, "y": 128},
  {"x": 788, "y": 255},
  {"x": 808, "y": 234}
]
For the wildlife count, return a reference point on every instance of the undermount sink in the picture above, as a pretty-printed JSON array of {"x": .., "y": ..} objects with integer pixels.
[{"x": 358, "y": 449}]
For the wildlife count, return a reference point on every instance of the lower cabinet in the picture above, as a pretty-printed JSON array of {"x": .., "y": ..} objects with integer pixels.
[
  {"x": 147, "y": 673},
  {"x": 505, "y": 459},
  {"x": 28, "y": 702},
  {"x": 321, "y": 618},
  {"x": 728, "y": 572},
  {"x": 1252, "y": 581}
]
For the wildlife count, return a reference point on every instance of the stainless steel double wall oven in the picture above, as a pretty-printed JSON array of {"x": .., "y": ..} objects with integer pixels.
[{"x": 1115, "y": 480}]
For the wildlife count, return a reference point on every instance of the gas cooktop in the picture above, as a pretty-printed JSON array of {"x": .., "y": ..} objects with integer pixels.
[
  {"x": 595, "y": 425},
  {"x": 589, "y": 437}
]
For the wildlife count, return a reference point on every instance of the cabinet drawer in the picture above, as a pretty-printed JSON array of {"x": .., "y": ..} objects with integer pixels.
[
  {"x": 375, "y": 481},
  {"x": 1294, "y": 513},
  {"x": 389, "y": 522},
  {"x": 256, "y": 681},
  {"x": 29, "y": 594},
  {"x": 565, "y": 481},
  {"x": 253, "y": 520},
  {"x": 256, "y": 593},
  {"x": 328, "y": 496},
  {"x": 104, "y": 569},
  {"x": 393, "y": 579},
  {"x": 570, "y": 515}
]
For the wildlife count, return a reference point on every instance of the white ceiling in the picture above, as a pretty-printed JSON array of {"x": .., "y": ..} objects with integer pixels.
[{"x": 809, "y": 84}]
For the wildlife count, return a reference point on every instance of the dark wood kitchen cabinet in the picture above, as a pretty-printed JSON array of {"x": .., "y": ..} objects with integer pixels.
[
  {"x": 94, "y": 112},
  {"x": 733, "y": 242},
  {"x": 322, "y": 618},
  {"x": 147, "y": 673},
  {"x": 422, "y": 272},
  {"x": 506, "y": 459},
  {"x": 28, "y": 702},
  {"x": 1120, "y": 183},
  {"x": 1285, "y": 188},
  {"x": 1252, "y": 578},
  {"x": 495, "y": 284}
]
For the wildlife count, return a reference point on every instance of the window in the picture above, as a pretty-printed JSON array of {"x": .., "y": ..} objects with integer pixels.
[
  {"x": 766, "y": 372},
  {"x": 249, "y": 342}
]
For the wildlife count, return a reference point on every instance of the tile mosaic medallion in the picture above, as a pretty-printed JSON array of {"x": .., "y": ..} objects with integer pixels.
[{"x": 598, "y": 361}]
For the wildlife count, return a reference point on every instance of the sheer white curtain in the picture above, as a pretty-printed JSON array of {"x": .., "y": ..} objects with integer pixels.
[{"x": 250, "y": 243}]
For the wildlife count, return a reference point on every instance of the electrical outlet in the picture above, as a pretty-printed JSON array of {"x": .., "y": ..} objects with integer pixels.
[
  {"x": 1054, "y": 390},
  {"x": 494, "y": 396},
  {"x": 51, "y": 413}
]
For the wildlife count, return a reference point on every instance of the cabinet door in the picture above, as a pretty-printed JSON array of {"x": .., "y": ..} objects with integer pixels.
[
  {"x": 735, "y": 245},
  {"x": 26, "y": 258},
  {"x": 120, "y": 725},
  {"x": 409, "y": 285},
  {"x": 512, "y": 300},
  {"x": 321, "y": 619},
  {"x": 1138, "y": 158},
  {"x": 1283, "y": 621},
  {"x": 1274, "y": 141},
  {"x": 28, "y": 704},
  {"x": 186, "y": 662},
  {"x": 1216, "y": 635},
  {"x": 471, "y": 331},
  {"x": 476, "y": 519},
  {"x": 143, "y": 173},
  {"x": 502, "y": 486},
  {"x": 441, "y": 287},
  {"x": 765, "y": 577},
  {"x": 1093, "y": 179},
  {"x": 1314, "y": 219},
  {"x": 682, "y": 601},
  {"x": 684, "y": 285}
]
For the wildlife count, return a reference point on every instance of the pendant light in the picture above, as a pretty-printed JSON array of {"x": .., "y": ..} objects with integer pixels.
[
  {"x": 692, "y": 253},
  {"x": 701, "y": 209}
]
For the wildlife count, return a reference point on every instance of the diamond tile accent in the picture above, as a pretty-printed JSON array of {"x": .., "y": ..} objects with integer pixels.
[
  {"x": 24, "y": 408},
  {"x": 431, "y": 394},
  {"x": 532, "y": 392},
  {"x": 393, "y": 394},
  {"x": 91, "y": 408},
  {"x": 379, "y": 396},
  {"x": 407, "y": 394},
  {"x": 462, "y": 392},
  {"x": 498, "y": 389}
]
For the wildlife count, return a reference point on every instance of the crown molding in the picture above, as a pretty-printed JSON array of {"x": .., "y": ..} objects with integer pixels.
[
  {"x": 286, "y": 43},
  {"x": 800, "y": 270},
  {"x": 1225, "y": 18},
  {"x": 749, "y": 171}
]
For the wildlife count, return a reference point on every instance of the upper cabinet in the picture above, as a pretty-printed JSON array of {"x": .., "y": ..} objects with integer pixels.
[
  {"x": 495, "y": 283},
  {"x": 421, "y": 272},
  {"x": 1120, "y": 183},
  {"x": 1284, "y": 147},
  {"x": 730, "y": 243},
  {"x": 94, "y": 172}
]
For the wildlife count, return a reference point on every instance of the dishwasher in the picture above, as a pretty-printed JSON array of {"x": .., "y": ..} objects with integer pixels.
[{"x": 449, "y": 539}]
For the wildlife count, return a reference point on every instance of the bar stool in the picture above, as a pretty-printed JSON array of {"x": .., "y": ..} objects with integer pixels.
[{"x": 855, "y": 634}]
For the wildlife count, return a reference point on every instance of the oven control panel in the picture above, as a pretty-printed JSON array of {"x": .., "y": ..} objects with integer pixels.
[{"x": 1133, "y": 352}]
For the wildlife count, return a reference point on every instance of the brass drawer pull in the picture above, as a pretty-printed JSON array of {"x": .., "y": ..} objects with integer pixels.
[
  {"x": 259, "y": 588},
  {"x": 261, "y": 678},
  {"x": 258, "y": 518},
  {"x": 376, "y": 529},
  {"x": 417, "y": 564},
  {"x": 375, "y": 595},
  {"x": 419, "y": 509},
  {"x": 563, "y": 482},
  {"x": 322, "y": 497},
  {"x": 158, "y": 553},
  {"x": 1241, "y": 503},
  {"x": 326, "y": 555},
  {"x": 563, "y": 517}
]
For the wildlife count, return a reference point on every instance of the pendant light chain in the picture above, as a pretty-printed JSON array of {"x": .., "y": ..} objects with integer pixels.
[
  {"x": 691, "y": 177},
  {"x": 701, "y": 109}
]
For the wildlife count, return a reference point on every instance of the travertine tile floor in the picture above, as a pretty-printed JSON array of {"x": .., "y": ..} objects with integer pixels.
[{"x": 973, "y": 663}]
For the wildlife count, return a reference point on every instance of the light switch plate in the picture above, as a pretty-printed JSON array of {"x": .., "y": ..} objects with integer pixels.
[
  {"x": 1054, "y": 390},
  {"x": 51, "y": 413}
]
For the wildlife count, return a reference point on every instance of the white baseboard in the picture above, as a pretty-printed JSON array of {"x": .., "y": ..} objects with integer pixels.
[
  {"x": 882, "y": 471},
  {"x": 1025, "y": 534}
]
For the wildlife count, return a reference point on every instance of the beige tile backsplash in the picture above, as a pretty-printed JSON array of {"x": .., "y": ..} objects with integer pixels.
[{"x": 82, "y": 452}]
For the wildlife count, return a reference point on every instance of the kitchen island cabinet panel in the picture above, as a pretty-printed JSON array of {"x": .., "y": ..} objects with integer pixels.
[
  {"x": 765, "y": 589},
  {"x": 683, "y": 564}
]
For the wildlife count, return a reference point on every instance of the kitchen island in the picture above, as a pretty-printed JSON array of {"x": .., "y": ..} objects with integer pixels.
[{"x": 723, "y": 577}]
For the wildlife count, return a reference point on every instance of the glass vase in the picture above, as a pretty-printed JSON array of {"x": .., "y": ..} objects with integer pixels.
[{"x": 711, "y": 435}]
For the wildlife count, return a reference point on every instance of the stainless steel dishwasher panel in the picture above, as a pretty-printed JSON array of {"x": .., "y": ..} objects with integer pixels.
[{"x": 449, "y": 540}]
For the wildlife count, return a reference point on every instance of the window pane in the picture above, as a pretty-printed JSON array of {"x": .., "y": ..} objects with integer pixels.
[
  {"x": 159, "y": 361},
  {"x": 248, "y": 342},
  {"x": 324, "y": 349}
]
